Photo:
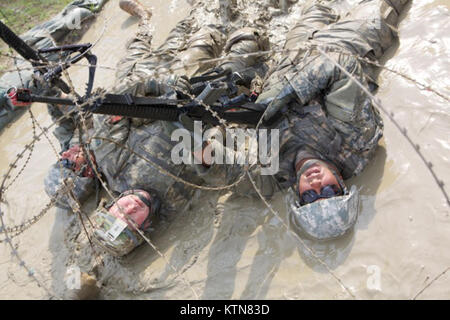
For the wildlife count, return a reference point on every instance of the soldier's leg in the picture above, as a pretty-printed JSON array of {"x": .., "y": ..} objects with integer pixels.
[
  {"x": 141, "y": 61},
  {"x": 246, "y": 41},
  {"x": 314, "y": 17},
  {"x": 376, "y": 20},
  {"x": 137, "y": 49},
  {"x": 204, "y": 45},
  {"x": 241, "y": 42}
]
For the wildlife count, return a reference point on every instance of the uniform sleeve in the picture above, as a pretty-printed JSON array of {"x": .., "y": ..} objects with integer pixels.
[
  {"x": 312, "y": 78},
  {"x": 138, "y": 86}
]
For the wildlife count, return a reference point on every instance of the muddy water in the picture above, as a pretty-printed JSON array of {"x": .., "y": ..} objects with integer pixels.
[{"x": 399, "y": 244}]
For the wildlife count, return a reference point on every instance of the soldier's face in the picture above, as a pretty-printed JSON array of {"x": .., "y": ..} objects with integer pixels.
[
  {"x": 133, "y": 206},
  {"x": 75, "y": 155},
  {"x": 317, "y": 177}
]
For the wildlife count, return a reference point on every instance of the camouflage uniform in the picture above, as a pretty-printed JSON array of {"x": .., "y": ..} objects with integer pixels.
[
  {"x": 328, "y": 116},
  {"x": 122, "y": 168},
  {"x": 57, "y": 30}
]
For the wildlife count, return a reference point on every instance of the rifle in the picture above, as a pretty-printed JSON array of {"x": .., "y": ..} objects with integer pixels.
[
  {"x": 51, "y": 75},
  {"x": 212, "y": 93}
]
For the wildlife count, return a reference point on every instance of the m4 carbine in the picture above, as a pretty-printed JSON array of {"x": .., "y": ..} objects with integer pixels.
[
  {"x": 44, "y": 70},
  {"x": 161, "y": 109},
  {"x": 238, "y": 110}
]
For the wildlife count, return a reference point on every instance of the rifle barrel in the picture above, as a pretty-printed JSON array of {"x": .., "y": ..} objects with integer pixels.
[{"x": 26, "y": 97}]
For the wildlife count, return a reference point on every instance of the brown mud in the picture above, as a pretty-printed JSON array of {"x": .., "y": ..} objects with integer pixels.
[{"x": 240, "y": 250}]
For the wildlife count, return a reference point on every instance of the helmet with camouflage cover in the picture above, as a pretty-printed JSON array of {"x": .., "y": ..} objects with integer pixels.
[
  {"x": 327, "y": 218},
  {"x": 116, "y": 244},
  {"x": 115, "y": 225}
]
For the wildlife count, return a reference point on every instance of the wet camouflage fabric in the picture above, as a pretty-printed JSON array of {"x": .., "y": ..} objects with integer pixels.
[
  {"x": 125, "y": 242},
  {"x": 327, "y": 114},
  {"x": 144, "y": 71},
  {"x": 325, "y": 220},
  {"x": 80, "y": 188},
  {"x": 43, "y": 36},
  {"x": 62, "y": 25},
  {"x": 124, "y": 170}
]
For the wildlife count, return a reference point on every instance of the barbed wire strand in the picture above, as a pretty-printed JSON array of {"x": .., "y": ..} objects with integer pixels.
[
  {"x": 269, "y": 52},
  {"x": 430, "y": 283},
  {"x": 170, "y": 69},
  {"x": 121, "y": 210},
  {"x": 377, "y": 102},
  {"x": 8, "y": 239}
]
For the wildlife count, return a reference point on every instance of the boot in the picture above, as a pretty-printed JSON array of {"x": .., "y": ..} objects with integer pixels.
[
  {"x": 88, "y": 289},
  {"x": 135, "y": 8}
]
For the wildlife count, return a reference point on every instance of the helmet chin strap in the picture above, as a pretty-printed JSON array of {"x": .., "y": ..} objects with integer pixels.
[{"x": 309, "y": 163}]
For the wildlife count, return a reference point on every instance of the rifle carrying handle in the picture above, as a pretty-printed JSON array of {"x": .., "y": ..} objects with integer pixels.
[{"x": 18, "y": 44}]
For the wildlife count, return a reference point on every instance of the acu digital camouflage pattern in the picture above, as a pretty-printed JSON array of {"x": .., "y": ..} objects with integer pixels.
[
  {"x": 327, "y": 115},
  {"x": 44, "y": 36},
  {"x": 125, "y": 242},
  {"x": 148, "y": 168},
  {"x": 310, "y": 86},
  {"x": 76, "y": 188},
  {"x": 325, "y": 220},
  {"x": 144, "y": 71},
  {"x": 150, "y": 140},
  {"x": 125, "y": 170}
]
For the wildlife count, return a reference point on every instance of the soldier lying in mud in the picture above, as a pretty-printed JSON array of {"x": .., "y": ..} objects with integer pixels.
[
  {"x": 145, "y": 190},
  {"x": 57, "y": 30},
  {"x": 329, "y": 128}
]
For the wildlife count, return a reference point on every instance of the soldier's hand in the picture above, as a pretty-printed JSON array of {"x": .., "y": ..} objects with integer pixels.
[
  {"x": 276, "y": 99},
  {"x": 12, "y": 96},
  {"x": 178, "y": 82},
  {"x": 40, "y": 87}
]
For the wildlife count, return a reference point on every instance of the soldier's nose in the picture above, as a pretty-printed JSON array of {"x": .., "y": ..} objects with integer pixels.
[
  {"x": 315, "y": 183},
  {"x": 316, "y": 186}
]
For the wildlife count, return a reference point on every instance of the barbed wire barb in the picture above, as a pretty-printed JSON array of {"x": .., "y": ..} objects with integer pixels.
[{"x": 167, "y": 68}]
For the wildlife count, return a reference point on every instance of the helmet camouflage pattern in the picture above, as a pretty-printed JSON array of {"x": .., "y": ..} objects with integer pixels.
[
  {"x": 326, "y": 219},
  {"x": 124, "y": 243}
]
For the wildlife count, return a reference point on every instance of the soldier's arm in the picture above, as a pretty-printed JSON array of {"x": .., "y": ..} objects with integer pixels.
[
  {"x": 301, "y": 84},
  {"x": 313, "y": 79},
  {"x": 155, "y": 87}
]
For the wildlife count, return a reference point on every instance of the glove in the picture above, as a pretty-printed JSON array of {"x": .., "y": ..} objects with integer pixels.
[
  {"x": 182, "y": 83},
  {"x": 276, "y": 98},
  {"x": 12, "y": 95},
  {"x": 39, "y": 87}
]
